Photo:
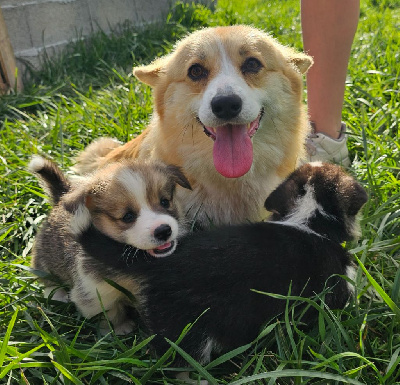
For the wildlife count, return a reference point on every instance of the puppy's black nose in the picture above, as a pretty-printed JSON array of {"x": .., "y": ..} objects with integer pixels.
[
  {"x": 162, "y": 232},
  {"x": 226, "y": 106}
]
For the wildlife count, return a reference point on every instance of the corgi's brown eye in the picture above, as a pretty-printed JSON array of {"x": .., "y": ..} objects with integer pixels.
[
  {"x": 251, "y": 65},
  {"x": 129, "y": 217},
  {"x": 197, "y": 72},
  {"x": 164, "y": 203}
]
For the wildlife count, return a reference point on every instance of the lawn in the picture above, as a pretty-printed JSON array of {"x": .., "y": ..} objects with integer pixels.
[{"x": 88, "y": 92}]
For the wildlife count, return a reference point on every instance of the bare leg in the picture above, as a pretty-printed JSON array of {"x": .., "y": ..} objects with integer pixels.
[{"x": 328, "y": 28}]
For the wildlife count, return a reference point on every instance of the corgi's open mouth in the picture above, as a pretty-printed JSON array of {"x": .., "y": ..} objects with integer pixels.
[
  {"x": 233, "y": 148},
  {"x": 163, "y": 250}
]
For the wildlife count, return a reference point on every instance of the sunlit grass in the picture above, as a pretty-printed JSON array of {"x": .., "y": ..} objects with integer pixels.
[{"x": 88, "y": 92}]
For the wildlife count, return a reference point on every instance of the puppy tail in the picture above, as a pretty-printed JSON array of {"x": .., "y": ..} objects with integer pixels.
[
  {"x": 92, "y": 157},
  {"x": 51, "y": 177}
]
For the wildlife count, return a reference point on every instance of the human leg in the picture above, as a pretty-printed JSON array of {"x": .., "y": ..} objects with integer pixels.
[{"x": 328, "y": 29}]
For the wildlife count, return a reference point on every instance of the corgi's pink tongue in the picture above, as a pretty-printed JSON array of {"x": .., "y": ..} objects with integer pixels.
[{"x": 233, "y": 150}]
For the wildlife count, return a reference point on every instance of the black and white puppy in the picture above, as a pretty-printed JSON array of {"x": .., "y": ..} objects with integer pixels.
[
  {"x": 217, "y": 271},
  {"x": 130, "y": 202}
]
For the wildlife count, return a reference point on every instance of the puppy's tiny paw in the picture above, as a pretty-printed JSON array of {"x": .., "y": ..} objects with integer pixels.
[
  {"x": 104, "y": 328},
  {"x": 185, "y": 377},
  {"x": 124, "y": 328},
  {"x": 119, "y": 329},
  {"x": 56, "y": 294}
]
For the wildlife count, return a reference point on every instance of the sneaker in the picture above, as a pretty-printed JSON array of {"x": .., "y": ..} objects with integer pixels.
[{"x": 321, "y": 147}]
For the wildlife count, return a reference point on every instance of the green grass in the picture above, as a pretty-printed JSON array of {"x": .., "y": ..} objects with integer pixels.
[{"x": 88, "y": 92}]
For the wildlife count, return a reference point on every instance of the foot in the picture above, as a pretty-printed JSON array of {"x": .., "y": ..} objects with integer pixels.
[
  {"x": 185, "y": 378},
  {"x": 56, "y": 293},
  {"x": 121, "y": 328},
  {"x": 124, "y": 328},
  {"x": 321, "y": 147}
]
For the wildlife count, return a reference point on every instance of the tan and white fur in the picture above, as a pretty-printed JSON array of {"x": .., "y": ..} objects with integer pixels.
[
  {"x": 130, "y": 202},
  {"x": 227, "y": 110}
]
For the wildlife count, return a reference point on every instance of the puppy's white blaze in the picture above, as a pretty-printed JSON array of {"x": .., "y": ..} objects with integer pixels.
[
  {"x": 141, "y": 235},
  {"x": 351, "y": 272},
  {"x": 229, "y": 81},
  {"x": 134, "y": 184},
  {"x": 304, "y": 209},
  {"x": 80, "y": 220},
  {"x": 36, "y": 163}
]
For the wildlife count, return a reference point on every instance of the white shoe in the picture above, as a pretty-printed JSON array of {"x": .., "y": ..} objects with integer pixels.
[{"x": 323, "y": 148}]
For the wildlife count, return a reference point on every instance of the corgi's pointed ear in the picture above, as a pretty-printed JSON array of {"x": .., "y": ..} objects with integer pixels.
[
  {"x": 76, "y": 204},
  {"x": 178, "y": 176},
  {"x": 300, "y": 60},
  {"x": 151, "y": 74}
]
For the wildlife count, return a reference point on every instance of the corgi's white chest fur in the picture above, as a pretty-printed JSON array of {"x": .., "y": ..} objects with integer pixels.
[{"x": 212, "y": 205}]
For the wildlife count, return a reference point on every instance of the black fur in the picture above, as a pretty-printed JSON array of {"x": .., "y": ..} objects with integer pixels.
[{"x": 217, "y": 270}]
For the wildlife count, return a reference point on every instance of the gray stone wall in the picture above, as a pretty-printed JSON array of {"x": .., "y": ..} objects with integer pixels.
[{"x": 38, "y": 25}]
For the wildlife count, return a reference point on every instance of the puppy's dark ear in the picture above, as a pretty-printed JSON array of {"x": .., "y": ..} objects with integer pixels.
[
  {"x": 282, "y": 199},
  {"x": 355, "y": 196},
  {"x": 76, "y": 203},
  {"x": 178, "y": 176}
]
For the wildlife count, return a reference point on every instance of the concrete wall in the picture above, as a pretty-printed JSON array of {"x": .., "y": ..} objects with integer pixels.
[{"x": 38, "y": 25}]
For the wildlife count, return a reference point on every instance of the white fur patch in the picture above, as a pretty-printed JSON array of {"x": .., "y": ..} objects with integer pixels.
[
  {"x": 80, "y": 220},
  {"x": 353, "y": 226},
  {"x": 229, "y": 81},
  {"x": 206, "y": 350},
  {"x": 84, "y": 293},
  {"x": 135, "y": 184},
  {"x": 301, "y": 227},
  {"x": 316, "y": 164},
  {"x": 351, "y": 272},
  {"x": 305, "y": 208},
  {"x": 36, "y": 163},
  {"x": 141, "y": 235}
]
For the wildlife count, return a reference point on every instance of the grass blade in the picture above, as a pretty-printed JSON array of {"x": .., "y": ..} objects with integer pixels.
[
  {"x": 296, "y": 373},
  {"x": 379, "y": 289},
  {"x": 66, "y": 373},
  {"x": 192, "y": 362},
  {"x": 4, "y": 345},
  {"x": 228, "y": 356}
]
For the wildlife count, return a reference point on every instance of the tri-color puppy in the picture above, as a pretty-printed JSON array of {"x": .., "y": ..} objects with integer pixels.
[
  {"x": 130, "y": 202},
  {"x": 215, "y": 271}
]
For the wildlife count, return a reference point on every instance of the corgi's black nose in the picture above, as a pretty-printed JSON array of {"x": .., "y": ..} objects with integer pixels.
[
  {"x": 162, "y": 232},
  {"x": 226, "y": 106}
]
